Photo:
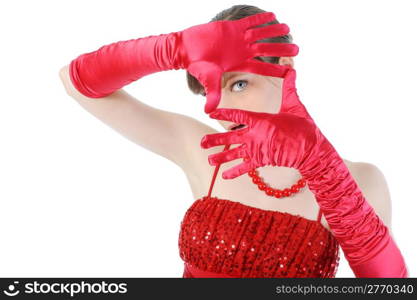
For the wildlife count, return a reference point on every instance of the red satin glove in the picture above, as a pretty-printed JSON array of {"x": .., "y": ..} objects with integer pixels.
[
  {"x": 291, "y": 138},
  {"x": 205, "y": 50}
]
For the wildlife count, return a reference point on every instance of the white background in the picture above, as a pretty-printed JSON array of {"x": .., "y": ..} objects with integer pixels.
[{"x": 77, "y": 199}]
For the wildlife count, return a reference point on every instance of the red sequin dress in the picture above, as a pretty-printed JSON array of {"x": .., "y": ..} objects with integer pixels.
[{"x": 224, "y": 238}]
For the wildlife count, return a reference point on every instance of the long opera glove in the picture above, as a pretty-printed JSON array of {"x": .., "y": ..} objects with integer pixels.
[
  {"x": 290, "y": 138},
  {"x": 205, "y": 50}
]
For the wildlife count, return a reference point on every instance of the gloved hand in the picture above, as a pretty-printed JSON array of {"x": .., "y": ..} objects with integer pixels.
[
  {"x": 211, "y": 49},
  {"x": 205, "y": 50},
  {"x": 290, "y": 138}
]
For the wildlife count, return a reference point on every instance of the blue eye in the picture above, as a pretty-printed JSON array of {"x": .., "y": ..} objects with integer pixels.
[{"x": 239, "y": 81}]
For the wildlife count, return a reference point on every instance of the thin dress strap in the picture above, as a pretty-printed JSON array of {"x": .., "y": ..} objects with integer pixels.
[
  {"x": 319, "y": 217},
  {"x": 216, "y": 170}
]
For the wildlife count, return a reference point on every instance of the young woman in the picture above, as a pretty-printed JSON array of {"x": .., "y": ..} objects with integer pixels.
[{"x": 266, "y": 222}]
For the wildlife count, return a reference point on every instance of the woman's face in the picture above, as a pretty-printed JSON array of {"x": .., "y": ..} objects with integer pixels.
[{"x": 253, "y": 92}]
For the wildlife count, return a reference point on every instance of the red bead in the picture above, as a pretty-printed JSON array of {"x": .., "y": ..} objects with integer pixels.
[
  {"x": 301, "y": 183},
  {"x": 295, "y": 189},
  {"x": 256, "y": 180},
  {"x": 269, "y": 191},
  {"x": 278, "y": 193},
  {"x": 275, "y": 192},
  {"x": 286, "y": 192},
  {"x": 262, "y": 186}
]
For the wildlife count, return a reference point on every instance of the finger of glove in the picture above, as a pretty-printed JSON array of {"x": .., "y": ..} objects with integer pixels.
[
  {"x": 210, "y": 76},
  {"x": 237, "y": 170},
  {"x": 213, "y": 87},
  {"x": 291, "y": 102},
  {"x": 228, "y": 155},
  {"x": 257, "y": 19},
  {"x": 260, "y": 33},
  {"x": 222, "y": 138},
  {"x": 238, "y": 116},
  {"x": 262, "y": 68},
  {"x": 274, "y": 49}
]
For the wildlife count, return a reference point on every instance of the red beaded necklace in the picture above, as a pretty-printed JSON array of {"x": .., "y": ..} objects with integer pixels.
[
  {"x": 295, "y": 188},
  {"x": 277, "y": 193}
]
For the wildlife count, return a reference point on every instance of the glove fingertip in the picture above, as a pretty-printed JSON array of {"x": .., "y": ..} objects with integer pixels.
[
  {"x": 207, "y": 108},
  {"x": 212, "y": 102},
  {"x": 211, "y": 162},
  {"x": 204, "y": 143}
]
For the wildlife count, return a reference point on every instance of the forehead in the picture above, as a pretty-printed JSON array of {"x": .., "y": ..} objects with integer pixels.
[{"x": 227, "y": 75}]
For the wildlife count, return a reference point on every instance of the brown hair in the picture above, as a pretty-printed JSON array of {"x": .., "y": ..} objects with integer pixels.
[{"x": 237, "y": 12}]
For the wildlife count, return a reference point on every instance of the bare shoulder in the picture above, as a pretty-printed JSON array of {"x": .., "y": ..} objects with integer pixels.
[
  {"x": 197, "y": 156},
  {"x": 374, "y": 186}
]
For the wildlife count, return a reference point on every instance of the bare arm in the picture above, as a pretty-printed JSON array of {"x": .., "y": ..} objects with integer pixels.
[
  {"x": 372, "y": 182},
  {"x": 168, "y": 134},
  {"x": 374, "y": 186}
]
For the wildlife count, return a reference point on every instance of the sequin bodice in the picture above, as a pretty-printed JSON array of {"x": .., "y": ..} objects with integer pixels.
[
  {"x": 224, "y": 238},
  {"x": 227, "y": 237}
]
